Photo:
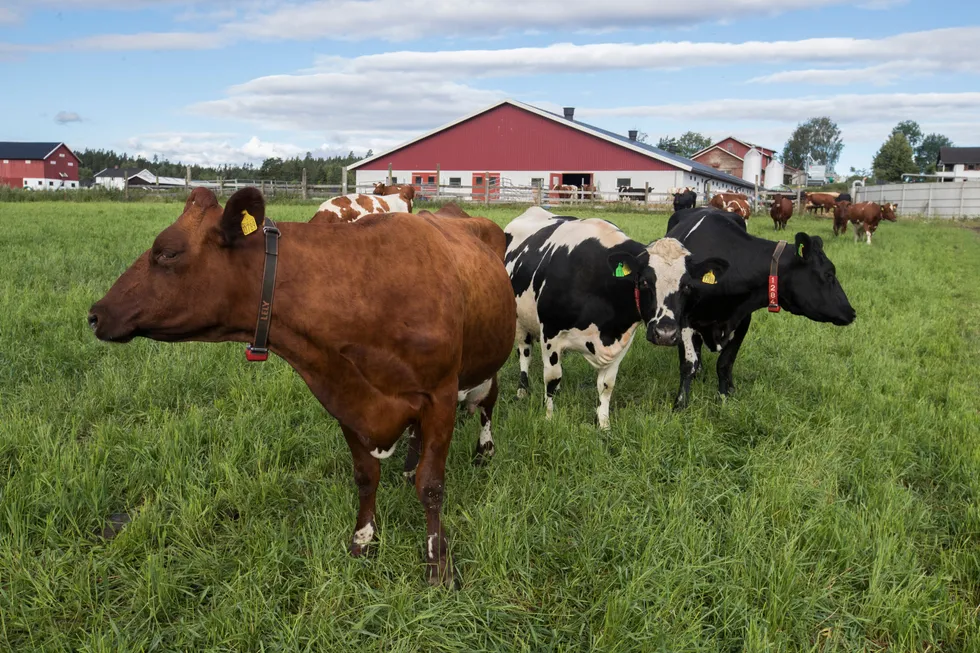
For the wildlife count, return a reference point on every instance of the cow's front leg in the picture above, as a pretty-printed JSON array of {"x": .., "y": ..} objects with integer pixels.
[
  {"x": 689, "y": 351},
  {"x": 551, "y": 355},
  {"x": 437, "y": 430},
  {"x": 605, "y": 383},
  {"x": 524, "y": 342},
  {"x": 367, "y": 472},
  {"x": 726, "y": 361}
]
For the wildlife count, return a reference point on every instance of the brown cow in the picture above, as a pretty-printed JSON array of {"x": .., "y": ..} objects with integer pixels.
[
  {"x": 840, "y": 216},
  {"x": 867, "y": 215},
  {"x": 823, "y": 202},
  {"x": 405, "y": 191},
  {"x": 780, "y": 211},
  {"x": 733, "y": 203},
  {"x": 386, "y": 320}
]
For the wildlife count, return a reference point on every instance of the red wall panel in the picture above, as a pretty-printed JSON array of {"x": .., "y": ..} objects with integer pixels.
[{"x": 510, "y": 138}]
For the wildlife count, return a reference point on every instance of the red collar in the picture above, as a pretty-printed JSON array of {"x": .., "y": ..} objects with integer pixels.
[
  {"x": 636, "y": 296},
  {"x": 774, "y": 278}
]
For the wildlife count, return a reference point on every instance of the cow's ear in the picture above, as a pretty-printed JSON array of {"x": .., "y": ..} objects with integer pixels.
[
  {"x": 707, "y": 272},
  {"x": 804, "y": 245},
  {"x": 244, "y": 214},
  {"x": 624, "y": 265}
]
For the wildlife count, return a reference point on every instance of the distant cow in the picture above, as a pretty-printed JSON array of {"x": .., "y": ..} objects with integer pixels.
[
  {"x": 348, "y": 208},
  {"x": 685, "y": 198},
  {"x": 630, "y": 194},
  {"x": 780, "y": 211},
  {"x": 841, "y": 209},
  {"x": 565, "y": 191},
  {"x": 733, "y": 203},
  {"x": 823, "y": 202},
  {"x": 584, "y": 286},
  {"x": 844, "y": 197},
  {"x": 720, "y": 314},
  {"x": 867, "y": 215},
  {"x": 405, "y": 191}
]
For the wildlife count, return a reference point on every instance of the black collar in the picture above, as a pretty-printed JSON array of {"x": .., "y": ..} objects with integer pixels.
[
  {"x": 258, "y": 351},
  {"x": 774, "y": 277}
]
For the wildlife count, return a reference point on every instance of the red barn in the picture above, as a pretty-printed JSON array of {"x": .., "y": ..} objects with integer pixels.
[
  {"x": 515, "y": 144},
  {"x": 38, "y": 166},
  {"x": 728, "y": 155}
]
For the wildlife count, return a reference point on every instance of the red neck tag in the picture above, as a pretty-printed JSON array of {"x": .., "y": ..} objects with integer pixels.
[{"x": 773, "y": 293}]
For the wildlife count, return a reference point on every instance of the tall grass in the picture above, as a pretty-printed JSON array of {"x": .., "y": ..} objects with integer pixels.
[{"x": 833, "y": 504}]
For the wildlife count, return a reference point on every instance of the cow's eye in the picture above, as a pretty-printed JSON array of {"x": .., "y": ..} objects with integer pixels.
[{"x": 167, "y": 256}]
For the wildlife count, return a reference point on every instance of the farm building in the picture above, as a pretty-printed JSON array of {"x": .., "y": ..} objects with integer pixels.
[
  {"x": 959, "y": 163},
  {"x": 745, "y": 160},
  {"x": 38, "y": 166},
  {"x": 515, "y": 144},
  {"x": 117, "y": 178}
]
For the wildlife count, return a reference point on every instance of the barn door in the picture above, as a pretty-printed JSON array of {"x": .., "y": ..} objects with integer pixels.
[
  {"x": 554, "y": 180},
  {"x": 424, "y": 183}
]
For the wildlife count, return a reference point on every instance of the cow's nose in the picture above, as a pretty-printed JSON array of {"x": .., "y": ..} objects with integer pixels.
[
  {"x": 93, "y": 320},
  {"x": 667, "y": 335}
]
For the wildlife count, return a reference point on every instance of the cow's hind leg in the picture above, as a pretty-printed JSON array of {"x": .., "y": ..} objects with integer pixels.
[
  {"x": 412, "y": 456},
  {"x": 367, "y": 472},
  {"x": 726, "y": 361},
  {"x": 525, "y": 340},
  {"x": 551, "y": 356},
  {"x": 483, "y": 398},
  {"x": 436, "y": 426},
  {"x": 689, "y": 350}
]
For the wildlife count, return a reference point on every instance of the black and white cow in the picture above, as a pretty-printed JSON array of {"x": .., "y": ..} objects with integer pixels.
[
  {"x": 583, "y": 285},
  {"x": 720, "y": 313}
]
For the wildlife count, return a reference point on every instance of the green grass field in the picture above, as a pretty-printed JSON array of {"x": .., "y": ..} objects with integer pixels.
[{"x": 833, "y": 504}]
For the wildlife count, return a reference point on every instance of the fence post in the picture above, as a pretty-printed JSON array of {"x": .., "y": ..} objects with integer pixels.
[
  {"x": 343, "y": 180},
  {"x": 388, "y": 183},
  {"x": 187, "y": 177},
  {"x": 125, "y": 185},
  {"x": 221, "y": 186},
  {"x": 157, "y": 182},
  {"x": 929, "y": 203},
  {"x": 962, "y": 187},
  {"x": 902, "y": 206},
  {"x": 304, "y": 184},
  {"x": 486, "y": 189},
  {"x": 755, "y": 202},
  {"x": 646, "y": 194},
  {"x": 438, "y": 179}
]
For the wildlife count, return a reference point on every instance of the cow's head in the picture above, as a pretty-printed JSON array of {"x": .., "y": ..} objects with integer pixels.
[
  {"x": 810, "y": 288},
  {"x": 380, "y": 188},
  {"x": 888, "y": 212},
  {"x": 188, "y": 285},
  {"x": 666, "y": 276}
]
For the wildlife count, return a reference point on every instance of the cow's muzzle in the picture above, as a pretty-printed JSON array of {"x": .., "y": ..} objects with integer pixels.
[
  {"x": 663, "y": 334},
  {"x": 107, "y": 327}
]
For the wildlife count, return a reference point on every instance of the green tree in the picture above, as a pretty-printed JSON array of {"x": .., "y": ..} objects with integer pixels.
[
  {"x": 894, "y": 158},
  {"x": 928, "y": 152},
  {"x": 669, "y": 144},
  {"x": 818, "y": 138},
  {"x": 911, "y": 130},
  {"x": 692, "y": 142}
]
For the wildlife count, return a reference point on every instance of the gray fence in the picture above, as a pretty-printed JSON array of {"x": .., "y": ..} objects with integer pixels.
[{"x": 959, "y": 199}]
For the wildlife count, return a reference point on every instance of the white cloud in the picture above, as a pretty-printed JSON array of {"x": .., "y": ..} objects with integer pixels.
[{"x": 65, "y": 117}]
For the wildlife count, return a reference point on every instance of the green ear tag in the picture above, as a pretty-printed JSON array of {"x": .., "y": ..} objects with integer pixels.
[
  {"x": 619, "y": 270},
  {"x": 799, "y": 252}
]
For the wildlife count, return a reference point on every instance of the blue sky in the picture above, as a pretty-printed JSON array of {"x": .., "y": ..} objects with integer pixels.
[{"x": 228, "y": 82}]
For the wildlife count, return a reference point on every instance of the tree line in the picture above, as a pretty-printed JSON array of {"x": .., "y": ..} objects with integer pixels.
[{"x": 319, "y": 170}]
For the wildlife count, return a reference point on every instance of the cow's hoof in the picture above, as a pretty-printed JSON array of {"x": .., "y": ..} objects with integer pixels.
[
  {"x": 521, "y": 393},
  {"x": 441, "y": 574},
  {"x": 483, "y": 455},
  {"x": 409, "y": 477}
]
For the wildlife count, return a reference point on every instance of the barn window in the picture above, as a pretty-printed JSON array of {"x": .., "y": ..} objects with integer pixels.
[
  {"x": 6, "y": 160},
  {"x": 624, "y": 181},
  {"x": 456, "y": 181},
  {"x": 50, "y": 183},
  {"x": 537, "y": 182},
  {"x": 418, "y": 179},
  {"x": 28, "y": 161},
  {"x": 61, "y": 154},
  {"x": 70, "y": 163},
  {"x": 53, "y": 161},
  {"x": 477, "y": 181}
]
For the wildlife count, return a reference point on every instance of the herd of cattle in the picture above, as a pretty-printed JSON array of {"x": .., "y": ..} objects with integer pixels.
[
  {"x": 392, "y": 318},
  {"x": 865, "y": 216}
]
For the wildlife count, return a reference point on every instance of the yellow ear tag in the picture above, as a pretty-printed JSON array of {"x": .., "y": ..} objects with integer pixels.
[
  {"x": 248, "y": 223},
  {"x": 626, "y": 270},
  {"x": 709, "y": 278}
]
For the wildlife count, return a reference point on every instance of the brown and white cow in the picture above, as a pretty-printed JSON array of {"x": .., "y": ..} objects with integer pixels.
[
  {"x": 840, "y": 216},
  {"x": 866, "y": 215},
  {"x": 386, "y": 320},
  {"x": 780, "y": 211},
  {"x": 348, "y": 208},
  {"x": 733, "y": 203}
]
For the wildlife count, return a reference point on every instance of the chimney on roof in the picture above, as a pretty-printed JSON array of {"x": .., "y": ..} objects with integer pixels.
[
  {"x": 569, "y": 113},
  {"x": 633, "y": 133}
]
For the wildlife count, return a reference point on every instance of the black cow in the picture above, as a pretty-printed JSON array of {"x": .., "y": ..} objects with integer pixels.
[
  {"x": 720, "y": 314},
  {"x": 630, "y": 194},
  {"x": 685, "y": 200},
  {"x": 583, "y": 285},
  {"x": 844, "y": 197}
]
